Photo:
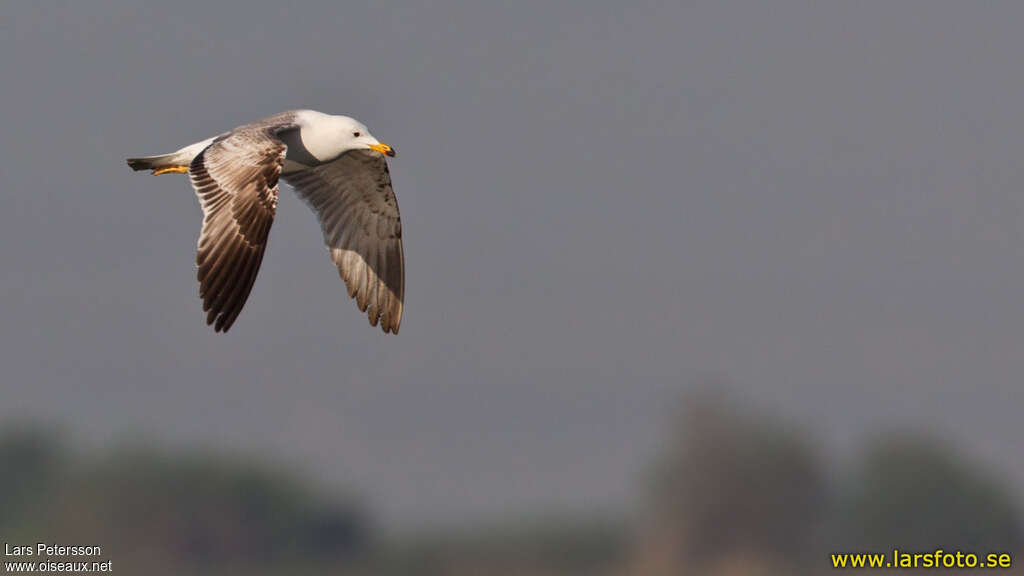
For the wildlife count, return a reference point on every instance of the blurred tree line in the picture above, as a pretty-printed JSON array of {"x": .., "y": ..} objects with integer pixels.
[
  {"x": 200, "y": 512},
  {"x": 740, "y": 494},
  {"x": 735, "y": 493}
]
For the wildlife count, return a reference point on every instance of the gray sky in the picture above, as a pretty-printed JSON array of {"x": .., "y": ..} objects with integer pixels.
[{"x": 819, "y": 201}]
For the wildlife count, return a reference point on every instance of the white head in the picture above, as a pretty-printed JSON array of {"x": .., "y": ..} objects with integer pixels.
[{"x": 326, "y": 137}]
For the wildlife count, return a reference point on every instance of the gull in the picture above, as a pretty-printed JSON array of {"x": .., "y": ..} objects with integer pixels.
[{"x": 335, "y": 165}]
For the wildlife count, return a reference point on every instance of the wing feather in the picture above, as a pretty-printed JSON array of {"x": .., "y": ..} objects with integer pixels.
[
  {"x": 358, "y": 212},
  {"x": 235, "y": 179}
]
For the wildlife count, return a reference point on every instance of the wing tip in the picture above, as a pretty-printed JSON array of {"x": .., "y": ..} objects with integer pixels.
[{"x": 392, "y": 322}]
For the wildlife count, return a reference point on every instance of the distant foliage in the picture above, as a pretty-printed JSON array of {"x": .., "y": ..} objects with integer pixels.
[
  {"x": 185, "y": 510},
  {"x": 735, "y": 485},
  {"x": 31, "y": 463},
  {"x": 918, "y": 495},
  {"x": 738, "y": 494}
]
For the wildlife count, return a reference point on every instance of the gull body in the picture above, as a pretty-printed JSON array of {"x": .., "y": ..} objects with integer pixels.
[{"x": 335, "y": 165}]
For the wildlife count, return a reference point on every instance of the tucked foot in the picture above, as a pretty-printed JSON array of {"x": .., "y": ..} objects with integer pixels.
[{"x": 181, "y": 169}]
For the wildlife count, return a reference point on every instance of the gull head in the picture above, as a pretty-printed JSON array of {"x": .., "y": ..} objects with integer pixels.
[
  {"x": 327, "y": 136},
  {"x": 356, "y": 136}
]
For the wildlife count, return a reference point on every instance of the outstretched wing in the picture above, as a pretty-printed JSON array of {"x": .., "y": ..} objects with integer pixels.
[
  {"x": 358, "y": 213},
  {"x": 235, "y": 179}
]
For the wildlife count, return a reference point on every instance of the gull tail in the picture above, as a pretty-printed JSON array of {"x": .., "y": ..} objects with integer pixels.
[
  {"x": 173, "y": 162},
  {"x": 153, "y": 163}
]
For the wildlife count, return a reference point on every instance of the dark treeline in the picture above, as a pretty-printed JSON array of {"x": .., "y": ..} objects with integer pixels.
[{"x": 734, "y": 492}]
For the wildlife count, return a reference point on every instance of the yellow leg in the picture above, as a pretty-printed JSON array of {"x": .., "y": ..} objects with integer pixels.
[{"x": 176, "y": 169}]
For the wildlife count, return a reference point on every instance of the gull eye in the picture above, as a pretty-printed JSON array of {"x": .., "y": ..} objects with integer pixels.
[{"x": 357, "y": 134}]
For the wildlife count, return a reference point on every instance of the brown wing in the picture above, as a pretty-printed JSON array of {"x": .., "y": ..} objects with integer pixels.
[
  {"x": 358, "y": 214},
  {"x": 235, "y": 179}
]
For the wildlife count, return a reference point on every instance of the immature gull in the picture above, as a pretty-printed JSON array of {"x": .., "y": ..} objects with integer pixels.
[{"x": 335, "y": 165}]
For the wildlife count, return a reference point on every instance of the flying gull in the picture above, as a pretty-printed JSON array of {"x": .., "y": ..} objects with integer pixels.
[{"x": 335, "y": 165}]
